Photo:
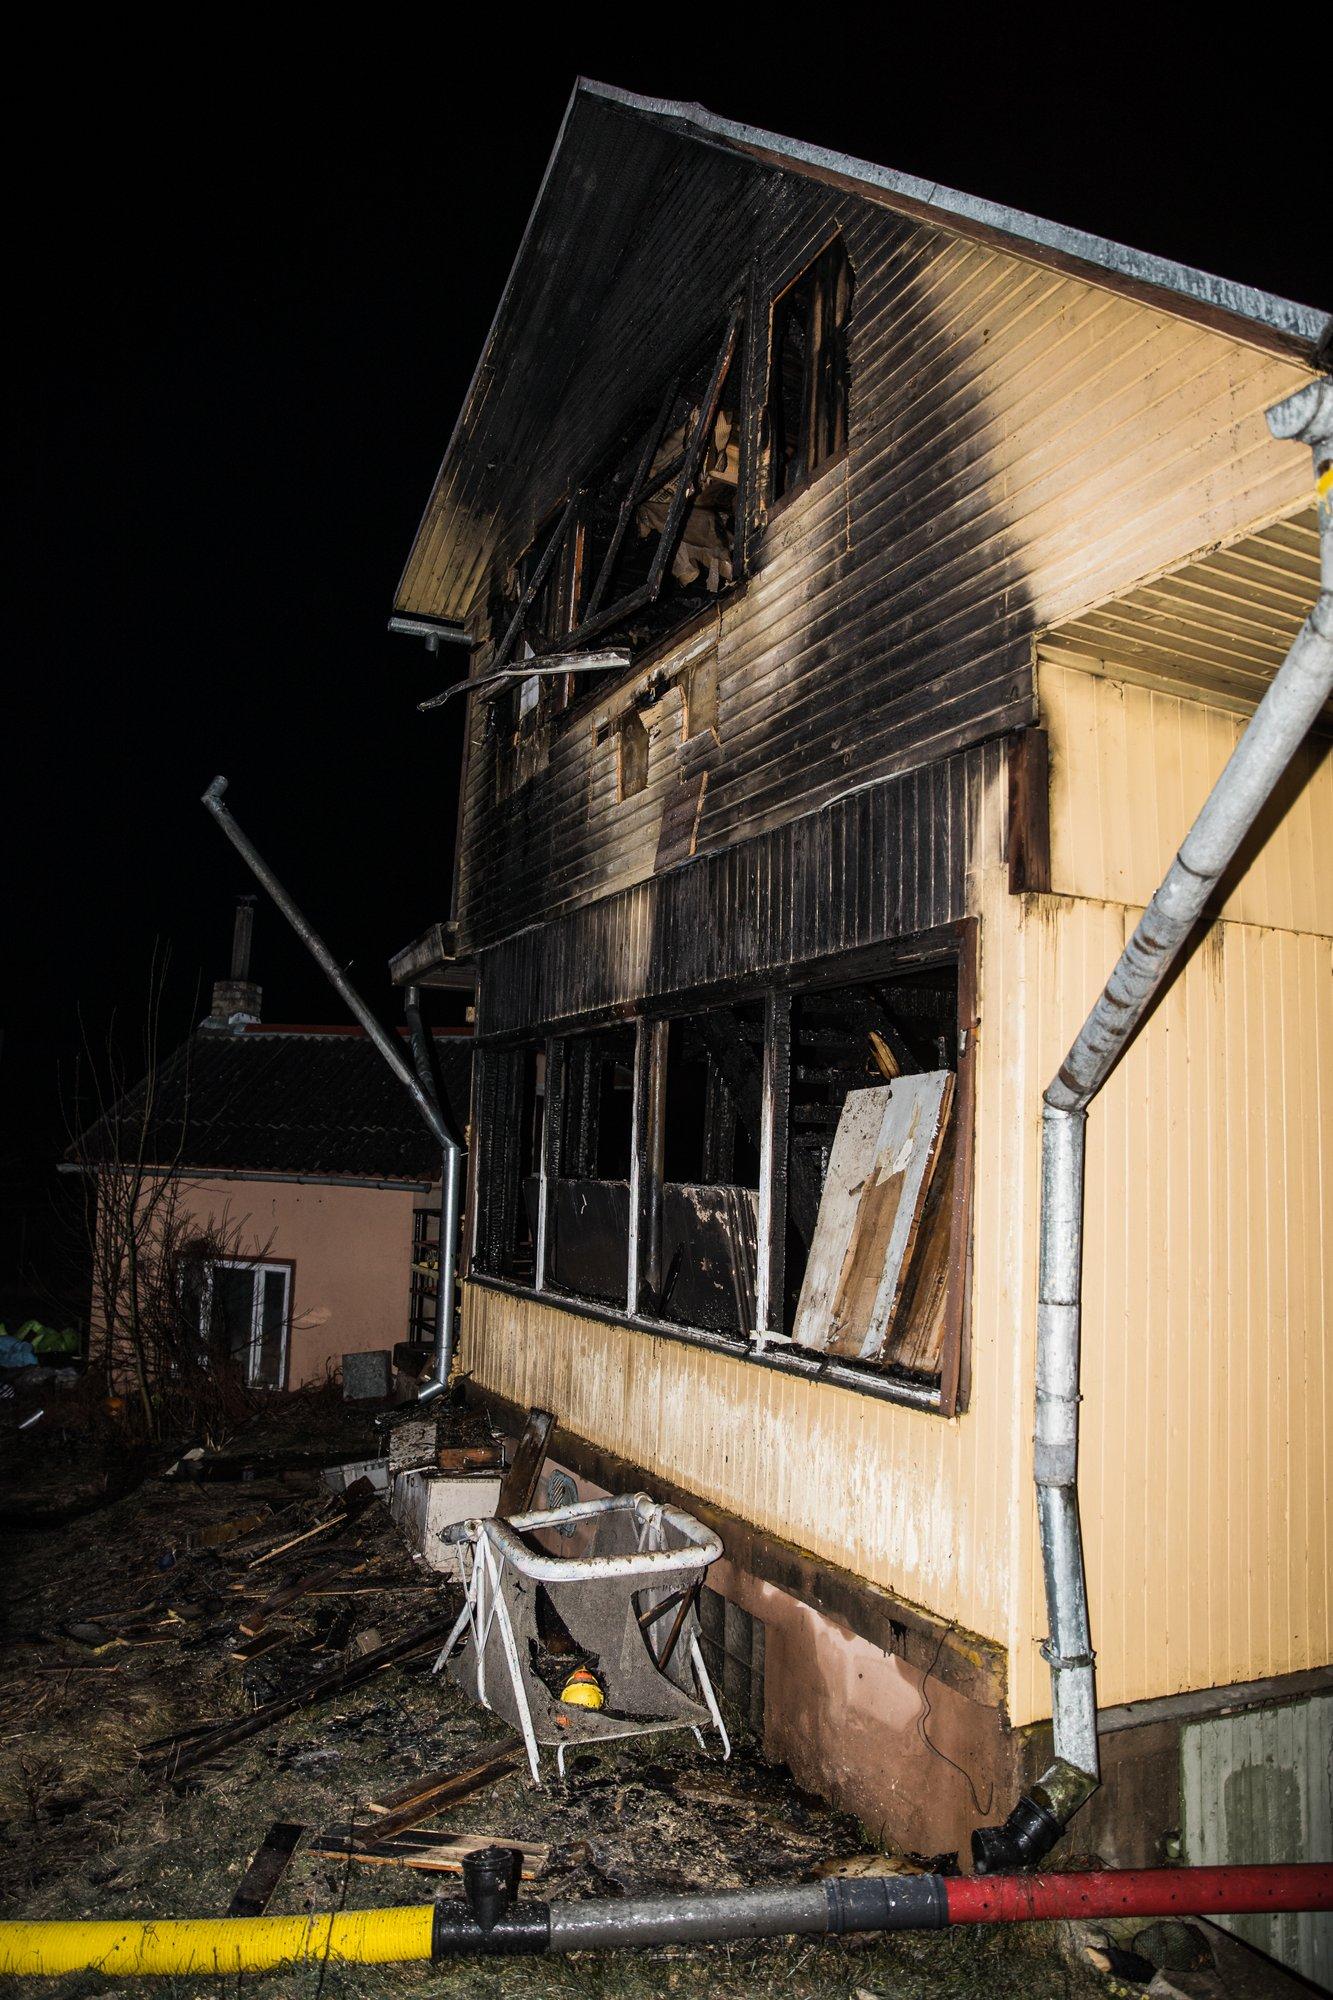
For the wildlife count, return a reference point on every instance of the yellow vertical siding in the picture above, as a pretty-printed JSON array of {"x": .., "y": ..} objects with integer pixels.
[
  {"x": 1130, "y": 767},
  {"x": 1203, "y": 1470},
  {"x": 919, "y": 1506},
  {"x": 1208, "y": 1245}
]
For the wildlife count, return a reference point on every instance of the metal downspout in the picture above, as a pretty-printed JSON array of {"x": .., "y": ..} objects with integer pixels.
[
  {"x": 1273, "y": 735},
  {"x": 451, "y": 1175},
  {"x": 420, "y": 1087}
]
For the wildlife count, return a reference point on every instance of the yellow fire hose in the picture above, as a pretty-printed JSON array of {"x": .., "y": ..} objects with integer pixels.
[{"x": 218, "y": 1944}]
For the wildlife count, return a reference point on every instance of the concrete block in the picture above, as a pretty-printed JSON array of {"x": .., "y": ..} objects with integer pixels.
[
  {"x": 426, "y": 1501},
  {"x": 368, "y": 1375},
  {"x": 339, "y": 1477}
]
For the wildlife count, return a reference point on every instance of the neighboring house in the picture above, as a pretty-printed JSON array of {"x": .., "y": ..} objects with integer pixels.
[
  {"x": 299, "y": 1149},
  {"x": 949, "y": 551}
]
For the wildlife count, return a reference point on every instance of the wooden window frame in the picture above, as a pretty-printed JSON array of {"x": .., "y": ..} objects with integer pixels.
[{"x": 826, "y": 377}]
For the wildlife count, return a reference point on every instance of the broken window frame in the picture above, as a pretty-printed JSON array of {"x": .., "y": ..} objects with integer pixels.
[
  {"x": 767, "y": 1343},
  {"x": 585, "y": 622},
  {"x": 825, "y": 423}
]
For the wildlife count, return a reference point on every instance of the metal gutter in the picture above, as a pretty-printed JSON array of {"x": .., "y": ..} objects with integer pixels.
[
  {"x": 418, "y": 1084},
  {"x": 296, "y": 1180},
  {"x": 1272, "y": 737}
]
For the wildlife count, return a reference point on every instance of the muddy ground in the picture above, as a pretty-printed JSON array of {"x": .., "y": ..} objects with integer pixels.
[{"x": 121, "y": 1629}]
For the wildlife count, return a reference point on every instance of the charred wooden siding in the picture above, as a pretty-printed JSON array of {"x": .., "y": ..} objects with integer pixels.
[
  {"x": 1023, "y": 444},
  {"x": 885, "y": 863}
]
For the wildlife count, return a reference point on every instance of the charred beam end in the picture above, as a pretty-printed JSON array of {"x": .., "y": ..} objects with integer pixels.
[{"x": 1029, "y": 843}]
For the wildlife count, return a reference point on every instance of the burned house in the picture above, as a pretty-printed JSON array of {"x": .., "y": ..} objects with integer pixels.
[{"x": 861, "y": 588}]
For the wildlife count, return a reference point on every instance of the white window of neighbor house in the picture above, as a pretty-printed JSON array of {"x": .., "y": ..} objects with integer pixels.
[{"x": 247, "y": 1315}]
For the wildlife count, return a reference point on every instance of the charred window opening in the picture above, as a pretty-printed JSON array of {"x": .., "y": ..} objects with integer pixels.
[
  {"x": 529, "y": 615},
  {"x": 659, "y": 515},
  {"x": 632, "y": 746},
  {"x": 789, "y": 1173},
  {"x": 644, "y": 543},
  {"x": 871, "y": 1162},
  {"x": 589, "y": 1164},
  {"x": 806, "y": 413},
  {"x": 710, "y": 1171},
  {"x": 510, "y": 1092}
]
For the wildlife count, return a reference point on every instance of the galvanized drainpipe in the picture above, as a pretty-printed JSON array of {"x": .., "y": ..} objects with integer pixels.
[
  {"x": 451, "y": 1176},
  {"x": 1278, "y": 727},
  {"x": 420, "y": 1087}
]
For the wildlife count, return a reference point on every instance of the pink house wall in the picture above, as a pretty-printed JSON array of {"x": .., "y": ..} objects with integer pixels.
[{"x": 352, "y": 1252}]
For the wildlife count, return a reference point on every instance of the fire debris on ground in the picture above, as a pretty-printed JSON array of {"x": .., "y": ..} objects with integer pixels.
[{"x": 193, "y": 1605}]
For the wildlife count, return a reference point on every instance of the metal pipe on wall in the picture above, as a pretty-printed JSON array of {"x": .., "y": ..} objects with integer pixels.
[
  {"x": 451, "y": 1176},
  {"x": 419, "y": 1086},
  {"x": 1275, "y": 732}
]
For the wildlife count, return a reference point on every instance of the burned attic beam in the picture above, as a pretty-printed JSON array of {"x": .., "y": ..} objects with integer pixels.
[
  {"x": 631, "y": 499},
  {"x": 609, "y": 660}
]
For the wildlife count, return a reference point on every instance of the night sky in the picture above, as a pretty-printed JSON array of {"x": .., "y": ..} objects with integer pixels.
[{"x": 250, "y": 288}]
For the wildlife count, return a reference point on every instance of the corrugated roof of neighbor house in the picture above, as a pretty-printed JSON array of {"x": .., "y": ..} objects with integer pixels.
[
  {"x": 610, "y": 154},
  {"x": 293, "y": 1102}
]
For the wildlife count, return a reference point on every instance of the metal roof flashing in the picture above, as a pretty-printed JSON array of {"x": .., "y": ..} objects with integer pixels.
[{"x": 1297, "y": 323}]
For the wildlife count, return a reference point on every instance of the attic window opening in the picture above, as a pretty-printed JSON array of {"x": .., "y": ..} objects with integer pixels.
[
  {"x": 808, "y": 383},
  {"x": 646, "y": 541}
]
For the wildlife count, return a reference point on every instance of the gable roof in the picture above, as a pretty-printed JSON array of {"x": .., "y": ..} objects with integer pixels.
[
  {"x": 290, "y": 1102},
  {"x": 609, "y": 160}
]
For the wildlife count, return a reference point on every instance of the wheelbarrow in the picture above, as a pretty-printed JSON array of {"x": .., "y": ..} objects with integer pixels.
[{"x": 628, "y": 1601}]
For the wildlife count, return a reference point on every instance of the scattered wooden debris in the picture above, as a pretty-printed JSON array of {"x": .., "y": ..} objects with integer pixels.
[
  {"x": 181, "y": 1753},
  {"x": 219, "y": 1533},
  {"x": 267, "y": 1869},
  {"x": 439, "y": 1853},
  {"x": 308, "y": 1583},
  {"x": 471, "y": 1458},
  {"x": 320, "y": 1528},
  {"x": 434, "y": 1790},
  {"x": 264, "y": 1642},
  {"x": 518, "y": 1488}
]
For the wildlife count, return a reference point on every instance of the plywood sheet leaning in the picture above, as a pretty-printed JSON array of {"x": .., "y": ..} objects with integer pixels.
[{"x": 884, "y": 1153}]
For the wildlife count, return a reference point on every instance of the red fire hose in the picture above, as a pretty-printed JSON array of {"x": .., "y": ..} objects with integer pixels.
[{"x": 1138, "y": 1892}]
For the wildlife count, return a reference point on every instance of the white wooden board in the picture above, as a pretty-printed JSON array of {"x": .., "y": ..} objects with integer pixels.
[{"x": 879, "y": 1172}]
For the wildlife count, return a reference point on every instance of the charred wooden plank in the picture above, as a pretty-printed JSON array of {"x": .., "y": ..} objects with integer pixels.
[
  {"x": 1029, "y": 812},
  {"x": 178, "y": 1755},
  {"x": 518, "y": 1488},
  {"x": 255, "y": 1889},
  {"x": 435, "y": 1790}
]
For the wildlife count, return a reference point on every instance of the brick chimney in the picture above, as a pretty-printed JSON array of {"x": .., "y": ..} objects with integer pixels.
[{"x": 236, "y": 999}]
